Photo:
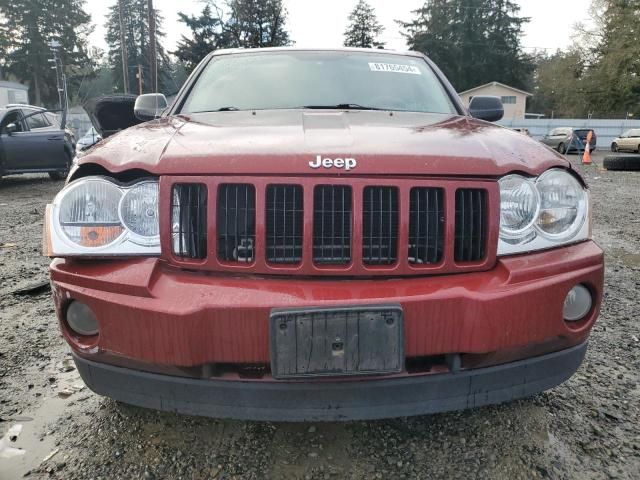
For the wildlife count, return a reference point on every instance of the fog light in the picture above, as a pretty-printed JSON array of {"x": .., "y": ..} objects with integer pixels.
[
  {"x": 81, "y": 319},
  {"x": 577, "y": 304}
]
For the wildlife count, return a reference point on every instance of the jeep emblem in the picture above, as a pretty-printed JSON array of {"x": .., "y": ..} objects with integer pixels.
[{"x": 346, "y": 163}]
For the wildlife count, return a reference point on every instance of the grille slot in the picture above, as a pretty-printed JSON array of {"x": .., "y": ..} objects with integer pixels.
[
  {"x": 471, "y": 229},
  {"x": 189, "y": 220},
  {"x": 332, "y": 212},
  {"x": 236, "y": 225},
  {"x": 284, "y": 223},
  {"x": 426, "y": 225},
  {"x": 380, "y": 225}
]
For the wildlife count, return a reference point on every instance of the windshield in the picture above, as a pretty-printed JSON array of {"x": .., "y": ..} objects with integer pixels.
[{"x": 284, "y": 80}]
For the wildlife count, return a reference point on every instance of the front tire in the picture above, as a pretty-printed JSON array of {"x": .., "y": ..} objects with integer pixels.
[
  {"x": 62, "y": 174},
  {"x": 614, "y": 147},
  {"x": 562, "y": 149}
]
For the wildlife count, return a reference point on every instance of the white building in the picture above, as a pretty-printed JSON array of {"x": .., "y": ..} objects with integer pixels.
[
  {"x": 513, "y": 99},
  {"x": 12, "y": 92}
]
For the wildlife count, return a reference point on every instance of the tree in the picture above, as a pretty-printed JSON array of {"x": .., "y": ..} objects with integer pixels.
[
  {"x": 473, "y": 41},
  {"x": 256, "y": 23},
  {"x": 27, "y": 26},
  {"x": 135, "y": 20},
  {"x": 615, "y": 74},
  {"x": 559, "y": 84},
  {"x": 207, "y": 35},
  {"x": 364, "y": 28},
  {"x": 234, "y": 24}
]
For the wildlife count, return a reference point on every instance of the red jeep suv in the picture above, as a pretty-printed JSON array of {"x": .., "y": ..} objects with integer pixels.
[{"x": 322, "y": 235}]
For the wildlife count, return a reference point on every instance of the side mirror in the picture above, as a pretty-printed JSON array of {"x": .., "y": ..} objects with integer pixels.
[
  {"x": 11, "y": 128},
  {"x": 486, "y": 108},
  {"x": 149, "y": 106}
]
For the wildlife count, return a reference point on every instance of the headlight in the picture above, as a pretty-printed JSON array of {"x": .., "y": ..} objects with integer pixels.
[
  {"x": 543, "y": 212},
  {"x": 139, "y": 212},
  {"x": 563, "y": 205},
  {"x": 519, "y": 205},
  {"x": 96, "y": 216}
]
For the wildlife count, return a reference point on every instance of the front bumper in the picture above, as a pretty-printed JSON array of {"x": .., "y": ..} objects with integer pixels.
[
  {"x": 333, "y": 401},
  {"x": 155, "y": 318}
]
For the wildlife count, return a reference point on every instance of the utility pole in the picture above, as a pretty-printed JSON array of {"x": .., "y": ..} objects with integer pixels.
[
  {"x": 123, "y": 49},
  {"x": 153, "y": 58},
  {"x": 61, "y": 81},
  {"x": 139, "y": 75}
]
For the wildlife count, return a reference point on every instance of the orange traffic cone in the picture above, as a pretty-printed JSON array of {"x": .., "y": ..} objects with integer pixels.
[{"x": 586, "y": 157}]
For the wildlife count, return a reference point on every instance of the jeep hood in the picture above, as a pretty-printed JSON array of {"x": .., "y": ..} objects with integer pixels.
[{"x": 283, "y": 142}]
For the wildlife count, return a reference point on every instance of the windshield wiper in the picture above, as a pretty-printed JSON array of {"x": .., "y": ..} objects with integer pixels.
[{"x": 342, "y": 106}]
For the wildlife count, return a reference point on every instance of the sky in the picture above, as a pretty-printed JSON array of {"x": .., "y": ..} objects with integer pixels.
[{"x": 321, "y": 23}]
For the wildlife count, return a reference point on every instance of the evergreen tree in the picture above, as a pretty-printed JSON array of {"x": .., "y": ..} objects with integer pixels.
[
  {"x": 207, "y": 35},
  {"x": 235, "y": 24},
  {"x": 26, "y": 28},
  {"x": 135, "y": 20},
  {"x": 559, "y": 81},
  {"x": 614, "y": 79},
  {"x": 364, "y": 28},
  {"x": 473, "y": 41},
  {"x": 256, "y": 23}
]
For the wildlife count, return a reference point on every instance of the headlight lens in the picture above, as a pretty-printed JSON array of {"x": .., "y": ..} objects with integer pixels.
[
  {"x": 139, "y": 210},
  {"x": 563, "y": 204},
  {"x": 89, "y": 213},
  {"x": 519, "y": 204},
  {"x": 97, "y": 216},
  {"x": 542, "y": 213}
]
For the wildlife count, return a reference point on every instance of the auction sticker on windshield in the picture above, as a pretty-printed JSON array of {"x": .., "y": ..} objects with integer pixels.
[{"x": 394, "y": 68}]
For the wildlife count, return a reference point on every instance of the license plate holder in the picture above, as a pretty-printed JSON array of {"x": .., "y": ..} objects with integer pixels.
[{"x": 338, "y": 341}]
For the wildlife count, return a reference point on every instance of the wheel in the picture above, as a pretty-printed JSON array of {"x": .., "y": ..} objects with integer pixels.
[
  {"x": 638, "y": 149},
  {"x": 562, "y": 149},
  {"x": 62, "y": 174},
  {"x": 614, "y": 147},
  {"x": 622, "y": 162}
]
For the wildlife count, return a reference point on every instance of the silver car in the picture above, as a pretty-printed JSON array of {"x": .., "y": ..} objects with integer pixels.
[
  {"x": 629, "y": 141},
  {"x": 567, "y": 139}
]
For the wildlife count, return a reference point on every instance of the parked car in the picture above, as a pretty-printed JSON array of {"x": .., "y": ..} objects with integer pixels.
[
  {"x": 357, "y": 244},
  {"x": 629, "y": 141},
  {"x": 31, "y": 142},
  {"x": 524, "y": 131},
  {"x": 566, "y": 139},
  {"x": 88, "y": 140}
]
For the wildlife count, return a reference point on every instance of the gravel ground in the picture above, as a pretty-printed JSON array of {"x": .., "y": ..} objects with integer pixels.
[{"x": 587, "y": 428}]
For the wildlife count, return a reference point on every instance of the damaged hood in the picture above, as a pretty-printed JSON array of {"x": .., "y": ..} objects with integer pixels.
[
  {"x": 291, "y": 142},
  {"x": 111, "y": 113}
]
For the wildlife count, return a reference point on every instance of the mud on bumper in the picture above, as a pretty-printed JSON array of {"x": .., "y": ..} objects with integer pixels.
[{"x": 362, "y": 399}]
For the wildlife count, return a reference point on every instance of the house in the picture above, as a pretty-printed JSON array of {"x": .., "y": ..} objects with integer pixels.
[
  {"x": 12, "y": 92},
  {"x": 513, "y": 99}
]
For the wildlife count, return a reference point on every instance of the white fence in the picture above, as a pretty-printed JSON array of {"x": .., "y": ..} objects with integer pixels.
[{"x": 606, "y": 130}]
